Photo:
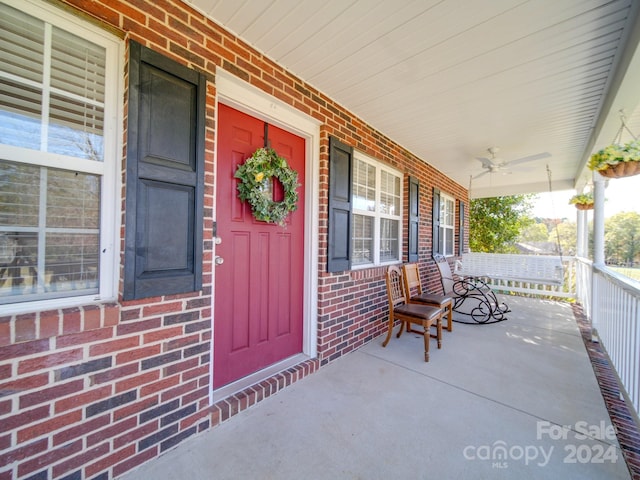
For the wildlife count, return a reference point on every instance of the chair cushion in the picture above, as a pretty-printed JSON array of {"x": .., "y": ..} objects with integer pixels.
[
  {"x": 433, "y": 299},
  {"x": 424, "y": 312}
]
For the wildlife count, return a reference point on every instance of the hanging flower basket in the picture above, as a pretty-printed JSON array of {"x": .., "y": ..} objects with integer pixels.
[
  {"x": 256, "y": 175},
  {"x": 583, "y": 201},
  {"x": 584, "y": 206},
  {"x": 622, "y": 169},
  {"x": 618, "y": 160}
]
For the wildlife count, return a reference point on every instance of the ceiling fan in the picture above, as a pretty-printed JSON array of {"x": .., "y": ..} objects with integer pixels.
[{"x": 492, "y": 164}]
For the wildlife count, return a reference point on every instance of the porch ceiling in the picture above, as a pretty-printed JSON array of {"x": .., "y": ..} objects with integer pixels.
[{"x": 449, "y": 79}]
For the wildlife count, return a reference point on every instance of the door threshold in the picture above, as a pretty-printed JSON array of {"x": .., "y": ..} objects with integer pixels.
[{"x": 239, "y": 385}]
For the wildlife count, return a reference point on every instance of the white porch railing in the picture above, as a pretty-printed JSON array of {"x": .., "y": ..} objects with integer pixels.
[{"x": 615, "y": 315}]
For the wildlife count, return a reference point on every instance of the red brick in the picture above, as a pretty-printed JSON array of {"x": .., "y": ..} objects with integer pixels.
[
  {"x": 114, "y": 429},
  {"x": 82, "y": 399},
  {"x": 91, "y": 318},
  {"x": 163, "y": 334},
  {"x": 161, "y": 308},
  {"x": 5, "y": 407},
  {"x": 48, "y": 361},
  {"x": 49, "y": 324},
  {"x": 23, "y": 451},
  {"x": 24, "y": 418},
  {"x": 84, "y": 337},
  {"x": 71, "y": 321},
  {"x": 135, "y": 327},
  {"x": 136, "y": 434},
  {"x": 49, "y": 426},
  {"x": 23, "y": 349},
  {"x": 25, "y": 328},
  {"x": 111, "y": 316},
  {"x": 47, "y": 394},
  {"x": 80, "y": 459},
  {"x": 159, "y": 386},
  {"x": 81, "y": 429},
  {"x": 114, "y": 373},
  {"x": 106, "y": 462},
  {"x": 135, "y": 408},
  {"x": 113, "y": 346},
  {"x": 183, "y": 366},
  {"x": 132, "y": 462},
  {"x": 190, "y": 420},
  {"x": 181, "y": 389},
  {"x": 137, "y": 354},
  {"x": 5, "y": 371},
  {"x": 26, "y": 383},
  {"x": 5, "y": 333},
  {"x": 5, "y": 444},
  {"x": 134, "y": 382}
]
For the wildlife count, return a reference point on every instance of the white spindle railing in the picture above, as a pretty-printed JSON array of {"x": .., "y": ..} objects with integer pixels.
[
  {"x": 584, "y": 289},
  {"x": 616, "y": 319}
]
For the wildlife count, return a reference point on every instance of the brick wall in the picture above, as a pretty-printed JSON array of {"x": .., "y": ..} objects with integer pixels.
[{"x": 92, "y": 392}]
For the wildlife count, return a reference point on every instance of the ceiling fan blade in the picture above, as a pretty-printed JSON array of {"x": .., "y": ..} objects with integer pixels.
[
  {"x": 486, "y": 163},
  {"x": 530, "y": 158},
  {"x": 481, "y": 174}
]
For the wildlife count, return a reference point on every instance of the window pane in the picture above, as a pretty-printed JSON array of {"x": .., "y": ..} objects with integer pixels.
[
  {"x": 449, "y": 242},
  {"x": 73, "y": 200},
  {"x": 76, "y": 120},
  {"x": 19, "y": 195},
  {"x": 71, "y": 262},
  {"x": 77, "y": 66},
  {"x": 364, "y": 186},
  {"x": 389, "y": 240},
  {"x": 362, "y": 239},
  {"x": 75, "y": 128},
  {"x": 389, "y": 194},
  {"x": 21, "y": 57},
  {"x": 45, "y": 254},
  {"x": 21, "y": 44}
]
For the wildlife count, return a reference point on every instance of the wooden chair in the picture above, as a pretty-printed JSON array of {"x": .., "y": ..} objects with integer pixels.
[
  {"x": 409, "y": 313},
  {"x": 411, "y": 276}
]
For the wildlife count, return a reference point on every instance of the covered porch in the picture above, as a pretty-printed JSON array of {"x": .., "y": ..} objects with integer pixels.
[{"x": 516, "y": 399}]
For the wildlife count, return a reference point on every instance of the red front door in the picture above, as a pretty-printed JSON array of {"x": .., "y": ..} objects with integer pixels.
[{"x": 259, "y": 287}]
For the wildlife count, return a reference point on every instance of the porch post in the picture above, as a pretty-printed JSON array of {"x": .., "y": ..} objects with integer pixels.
[
  {"x": 598, "y": 247},
  {"x": 598, "y": 219},
  {"x": 581, "y": 240}
]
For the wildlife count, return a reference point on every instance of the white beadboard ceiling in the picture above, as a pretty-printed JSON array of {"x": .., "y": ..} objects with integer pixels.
[{"x": 447, "y": 79}]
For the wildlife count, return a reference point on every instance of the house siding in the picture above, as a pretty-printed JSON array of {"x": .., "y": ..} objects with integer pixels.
[{"x": 92, "y": 392}]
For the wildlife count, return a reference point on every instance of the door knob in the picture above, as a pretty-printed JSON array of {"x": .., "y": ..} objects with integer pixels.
[{"x": 218, "y": 260}]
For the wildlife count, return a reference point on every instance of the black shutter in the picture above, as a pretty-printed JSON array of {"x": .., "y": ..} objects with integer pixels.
[
  {"x": 435, "y": 226},
  {"x": 461, "y": 228},
  {"x": 414, "y": 218},
  {"x": 339, "y": 231},
  {"x": 165, "y": 176}
]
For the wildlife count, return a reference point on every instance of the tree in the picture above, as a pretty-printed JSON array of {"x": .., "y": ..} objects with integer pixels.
[
  {"x": 622, "y": 238},
  {"x": 536, "y": 232},
  {"x": 495, "y": 223},
  {"x": 567, "y": 232}
]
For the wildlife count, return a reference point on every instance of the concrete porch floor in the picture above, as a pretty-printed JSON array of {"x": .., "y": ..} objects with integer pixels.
[{"x": 508, "y": 400}]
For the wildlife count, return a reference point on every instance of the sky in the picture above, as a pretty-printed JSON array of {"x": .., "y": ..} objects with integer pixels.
[{"x": 621, "y": 194}]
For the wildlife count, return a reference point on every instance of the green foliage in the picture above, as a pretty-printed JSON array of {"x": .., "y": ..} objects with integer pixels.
[
  {"x": 622, "y": 238},
  {"x": 536, "y": 232},
  {"x": 614, "y": 154},
  {"x": 582, "y": 198},
  {"x": 495, "y": 223},
  {"x": 257, "y": 175}
]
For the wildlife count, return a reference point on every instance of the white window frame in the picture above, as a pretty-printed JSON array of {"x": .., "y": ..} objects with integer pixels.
[
  {"x": 108, "y": 169},
  {"x": 376, "y": 214},
  {"x": 444, "y": 227}
]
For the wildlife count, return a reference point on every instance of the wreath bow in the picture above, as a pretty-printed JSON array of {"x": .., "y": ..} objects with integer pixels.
[{"x": 256, "y": 175}]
